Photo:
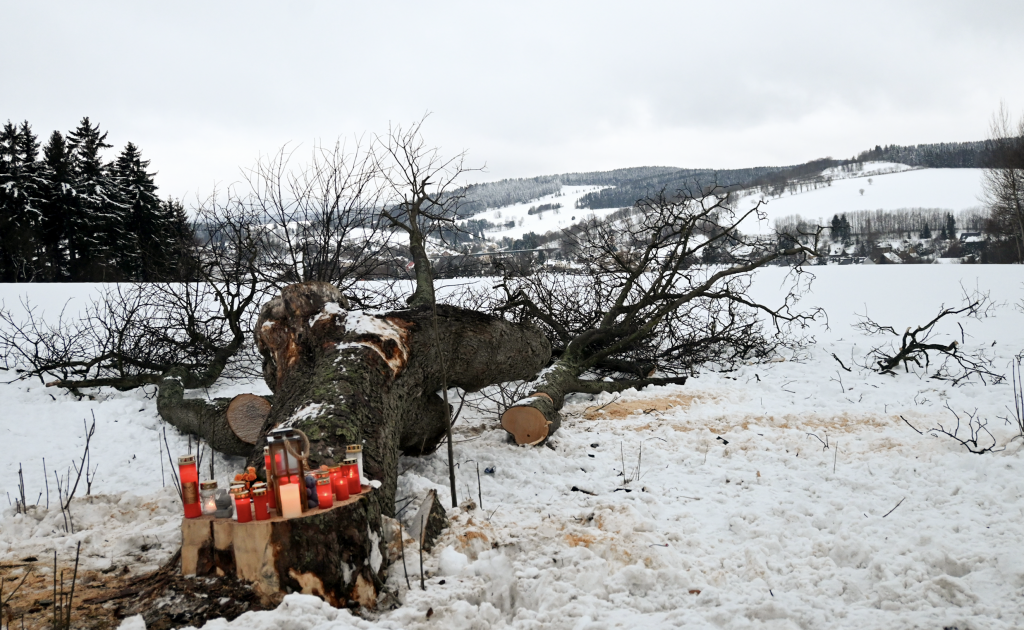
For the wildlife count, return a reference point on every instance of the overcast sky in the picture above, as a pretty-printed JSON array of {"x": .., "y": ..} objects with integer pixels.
[{"x": 528, "y": 88}]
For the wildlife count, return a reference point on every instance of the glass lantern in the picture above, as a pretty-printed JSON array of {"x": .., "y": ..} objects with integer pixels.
[{"x": 288, "y": 473}]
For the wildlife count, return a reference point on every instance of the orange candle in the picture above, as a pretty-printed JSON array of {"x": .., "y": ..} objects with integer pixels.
[
  {"x": 189, "y": 477},
  {"x": 339, "y": 483},
  {"x": 243, "y": 506},
  {"x": 350, "y": 469},
  {"x": 260, "y": 499}
]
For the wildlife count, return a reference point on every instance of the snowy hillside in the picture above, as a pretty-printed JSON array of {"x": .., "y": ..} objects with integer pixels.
[
  {"x": 736, "y": 515},
  {"x": 943, "y": 188},
  {"x": 541, "y": 223}
]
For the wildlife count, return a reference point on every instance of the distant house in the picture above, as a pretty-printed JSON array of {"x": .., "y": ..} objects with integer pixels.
[{"x": 971, "y": 237}]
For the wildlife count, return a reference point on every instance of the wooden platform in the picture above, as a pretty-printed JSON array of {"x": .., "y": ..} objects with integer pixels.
[{"x": 328, "y": 553}]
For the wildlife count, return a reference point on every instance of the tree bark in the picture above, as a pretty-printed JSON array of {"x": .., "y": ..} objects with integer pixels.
[
  {"x": 351, "y": 377},
  {"x": 535, "y": 418},
  {"x": 200, "y": 416}
]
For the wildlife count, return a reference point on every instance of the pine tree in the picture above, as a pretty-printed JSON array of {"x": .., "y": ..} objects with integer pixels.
[
  {"x": 141, "y": 248},
  {"x": 59, "y": 208},
  {"x": 950, "y": 226},
  {"x": 19, "y": 202},
  {"x": 96, "y": 229},
  {"x": 926, "y": 232},
  {"x": 837, "y": 228}
]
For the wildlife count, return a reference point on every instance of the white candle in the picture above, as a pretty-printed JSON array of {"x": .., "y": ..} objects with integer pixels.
[{"x": 290, "y": 506}]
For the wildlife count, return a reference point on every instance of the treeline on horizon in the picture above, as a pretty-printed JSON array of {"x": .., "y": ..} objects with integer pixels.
[
  {"x": 67, "y": 215},
  {"x": 631, "y": 184}
]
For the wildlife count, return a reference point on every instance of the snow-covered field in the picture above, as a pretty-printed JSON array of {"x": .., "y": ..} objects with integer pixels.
[
  {"x": 736, "y": 516},
  {"x": 952, "y": 189}
]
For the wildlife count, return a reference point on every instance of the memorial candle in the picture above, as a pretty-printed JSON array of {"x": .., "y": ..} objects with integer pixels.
[
  {"x": 339, "y": 483},
  {"x": 189, "y": 477},
  {"x": 208, "y": 496},
  {"x": 291, "y": 506},
  {"x": 324, "y": 491},
  {"x": 350, "y": 469},
  {"x": 355, "y": 451},
  {"x": 243, "y": 506},
  {"x": 260, "y": 501}
]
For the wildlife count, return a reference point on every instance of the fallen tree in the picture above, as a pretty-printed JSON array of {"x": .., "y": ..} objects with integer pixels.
[
  {"x": 351, "y": 377},
  {"x": 659, "y": 294}
]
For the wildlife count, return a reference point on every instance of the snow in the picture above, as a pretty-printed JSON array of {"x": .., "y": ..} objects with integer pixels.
[
  {"x": 547, "y": 221},
  {"x": 944, "y": 188},
  {"x": 736, "y": 515}
]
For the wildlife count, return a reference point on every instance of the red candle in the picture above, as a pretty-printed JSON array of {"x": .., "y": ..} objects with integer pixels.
[
  {"x": 260, "y": 499},
  {"x": 324, "y": 492},
  {"x": 189, "y": 477},
  {"x": 340, "y": 484},
  {"x": 243, "y": 507},
  {"x": 350, "y": 469}
]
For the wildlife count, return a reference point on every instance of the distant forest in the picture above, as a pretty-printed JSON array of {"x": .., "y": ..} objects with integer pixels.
[
  {"x": 631, "y": 184},
  {"x": 69, "y": 215}
]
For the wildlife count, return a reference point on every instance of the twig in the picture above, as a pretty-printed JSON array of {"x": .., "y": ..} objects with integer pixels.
[
  {"x": 423, "y": 535},
  {"x": 910, "y": 425},
  {"x": 174, "y": 473},
  {"x": 401, "y": 545},
  {"x": 839, "y": 380},
  {"x": 835, "y": 458},
  {"x": 824, "y": 443},
  {"x": 840, "y": 362},
  {"x": 894, "y": 509}
]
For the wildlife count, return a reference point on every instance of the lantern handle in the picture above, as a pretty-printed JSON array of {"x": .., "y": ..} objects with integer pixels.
[{"x": 305, "y": 448}]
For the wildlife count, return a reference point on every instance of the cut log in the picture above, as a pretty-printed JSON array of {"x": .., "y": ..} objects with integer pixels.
[
  {"x": 246, "y": 415},
  {"x": 199, "y": 416},
  {"x": 336, "y": 554},
  {"x": 526, "y": 424}
]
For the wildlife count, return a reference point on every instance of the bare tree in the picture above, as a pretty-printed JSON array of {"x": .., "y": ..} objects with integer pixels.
[
  {"x": 1003, "y": 180},
  {"x": 321, "y": 217},
  {"x": 422, "y": 196},
  {"x": 657, "y": 295},
  {"x": 173, "y": 335}
]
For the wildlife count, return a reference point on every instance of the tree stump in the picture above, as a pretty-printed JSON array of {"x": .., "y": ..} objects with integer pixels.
[{"x": 335, "y": 553}]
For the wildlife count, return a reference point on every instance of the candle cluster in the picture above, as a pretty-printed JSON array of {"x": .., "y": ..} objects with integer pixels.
[{"x": 289, "y": 491}]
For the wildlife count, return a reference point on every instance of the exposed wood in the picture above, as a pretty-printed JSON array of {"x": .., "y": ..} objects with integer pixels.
[
  {"x": 246, "y": 415},
  {"x": 526, "y": 424},
  {"x": 429, "y": 521},
  {"x": 336, "y": 553}
]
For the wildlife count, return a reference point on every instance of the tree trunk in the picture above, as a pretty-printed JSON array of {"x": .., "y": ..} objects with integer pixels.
[
  {"x": 199, "y": 416},
  {"x": 350, "y": 377},
  {"x": 536, "y": 417}
]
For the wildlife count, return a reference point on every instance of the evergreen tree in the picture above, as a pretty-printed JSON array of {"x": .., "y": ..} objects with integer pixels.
[
  {"x": 141, "y": 249},
  {"x": 837, "y": 228},
  {"x": 59, "y": 208},
  {"x": 96, "y": 230},
  {"x": 926, "y": 232},
  {"x": 19, "y": 202},
  {"x": 943, "y": 236},
  {"x": 950, "y": 226},
  {"x": 845, "y": 229}
]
